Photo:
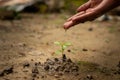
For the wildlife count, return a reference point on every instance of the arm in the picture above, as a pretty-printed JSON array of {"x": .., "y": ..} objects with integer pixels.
[{"x": 90, "y": 11}]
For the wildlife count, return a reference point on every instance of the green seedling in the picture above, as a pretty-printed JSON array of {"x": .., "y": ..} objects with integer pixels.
[{"x": 63, "y": 46}]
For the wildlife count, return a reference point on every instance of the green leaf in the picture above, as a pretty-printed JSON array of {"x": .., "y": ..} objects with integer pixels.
[
  {"x": 57, "y": 43},
  {"x": 58, "y": 52},
  {"x": 67, "y": 44},
  {"x": 64, "y": 46}
]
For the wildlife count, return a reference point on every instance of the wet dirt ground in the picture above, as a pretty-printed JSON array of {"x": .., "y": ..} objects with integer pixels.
[{"x": 30, "y": 41}]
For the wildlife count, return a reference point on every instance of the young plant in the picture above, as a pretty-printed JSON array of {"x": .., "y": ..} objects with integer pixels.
[{"x": 63, "y": 46}]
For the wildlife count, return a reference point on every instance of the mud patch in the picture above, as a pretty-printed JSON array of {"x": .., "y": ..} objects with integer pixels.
[{"x": 61, "y": 66}]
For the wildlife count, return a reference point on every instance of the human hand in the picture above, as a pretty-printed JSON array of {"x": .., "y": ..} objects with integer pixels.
[{"x": 91, "y": 10}]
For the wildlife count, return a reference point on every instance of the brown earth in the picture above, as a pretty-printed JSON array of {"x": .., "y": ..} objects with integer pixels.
[{"x": 95, "y": 47}]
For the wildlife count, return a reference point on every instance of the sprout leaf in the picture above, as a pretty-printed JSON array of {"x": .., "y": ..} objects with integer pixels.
[
  {"x": 57, "y": 43},
  {"x": 58, "y": 51}
]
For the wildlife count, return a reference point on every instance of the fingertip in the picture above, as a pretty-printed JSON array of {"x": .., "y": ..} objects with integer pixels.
[
  {"x": 67, "y": 25},
  {"x": 78, "y": 9}
]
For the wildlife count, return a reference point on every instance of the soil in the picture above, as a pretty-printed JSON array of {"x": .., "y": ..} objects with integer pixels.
[{"x": 27, "y": 50}]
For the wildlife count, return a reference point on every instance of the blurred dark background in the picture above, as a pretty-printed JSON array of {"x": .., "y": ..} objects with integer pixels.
[{"x": 12, "y": 8}]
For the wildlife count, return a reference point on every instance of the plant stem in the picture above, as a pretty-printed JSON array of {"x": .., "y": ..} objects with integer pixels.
[{"x": 62, "y": 49}]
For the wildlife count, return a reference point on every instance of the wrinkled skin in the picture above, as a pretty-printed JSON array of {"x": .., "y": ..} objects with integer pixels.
[{"x": 90, "y": 11}]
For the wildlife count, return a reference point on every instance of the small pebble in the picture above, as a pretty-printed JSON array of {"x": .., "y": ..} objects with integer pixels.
[
  {"x": 90, "y": 29},
  {"x": 84, "y": 49},
  {"x": 56, "y": 76},
  {"x": 34, "y": 74},
  {"x": 35, "y": 70},
  {"x": 42, "y": 76},
  {"x": 69, "y": 50},
  {"x": 69, "y": 60},
  {"x": 1, "y": 73},
  {"x": 47, "y": 67},
  {"x": 8, "y": 70},
  {"x": 26, "y": 64},
  {"x": 89, "y": 77},
  {"x": 56, "y": 59}
]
